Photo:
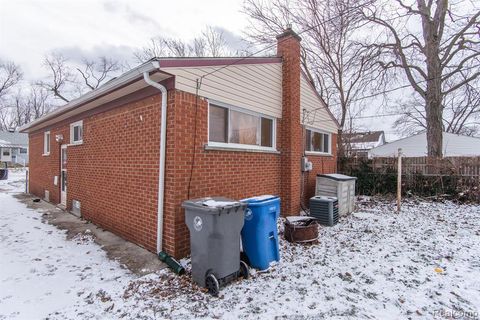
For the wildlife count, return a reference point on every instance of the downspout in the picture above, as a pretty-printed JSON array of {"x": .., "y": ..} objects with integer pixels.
[
  {"x": 161, "y": 175},
  {"x": 170, "y": 261}
]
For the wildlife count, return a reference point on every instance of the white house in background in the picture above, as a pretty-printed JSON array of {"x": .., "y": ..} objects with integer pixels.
[
  {"x": 358, "y": 143},
  {"x": 454, "y": 145},
  {"x": 14, "y": 147}
]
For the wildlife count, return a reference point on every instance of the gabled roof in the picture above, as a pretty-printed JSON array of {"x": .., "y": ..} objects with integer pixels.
[
  {"x": 131, "y": 79},
  {"x": 13, "y": 139},
  {"x": 454, "y": 145},
  {"x": 159, "y": 69},
  {"x": 361, "y": 137},
  {"x": 185, "y": 62}
]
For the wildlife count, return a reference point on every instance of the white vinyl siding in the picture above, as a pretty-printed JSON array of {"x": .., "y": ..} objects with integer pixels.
[
  {"x": 255, "y": 87},
  {"x": 317, "y": 115},
  {"x": 5, "y": 154}
]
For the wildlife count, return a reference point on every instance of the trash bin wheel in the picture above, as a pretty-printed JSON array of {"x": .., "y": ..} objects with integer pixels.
[
  {"x": 244, "y": 270},
  {"x": 244, "y": 258},
  {"x": 212, "y": 285}
]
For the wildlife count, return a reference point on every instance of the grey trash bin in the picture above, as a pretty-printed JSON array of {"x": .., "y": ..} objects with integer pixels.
[{"x": 215, "y": 225}]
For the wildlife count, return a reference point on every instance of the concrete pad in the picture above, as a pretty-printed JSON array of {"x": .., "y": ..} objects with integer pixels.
[{"x": 136, "y": 259}]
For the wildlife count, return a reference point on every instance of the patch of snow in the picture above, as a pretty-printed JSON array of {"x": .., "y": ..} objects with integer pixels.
[
  {"x": 293, "y": 219},
  {"x": 15, "y": 182},
  {"x": 217, "y": 204},
  {"x": 363, "y": 215},
  {"x": 259, "y": 198},
  {"x": 41, "y": 273},
  {"x": 375, "y": 264},
  {"x": 338, "y": 176}
]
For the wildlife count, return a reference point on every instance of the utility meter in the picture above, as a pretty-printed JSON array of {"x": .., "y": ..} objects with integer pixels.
[{"x": 306, "y": 165}]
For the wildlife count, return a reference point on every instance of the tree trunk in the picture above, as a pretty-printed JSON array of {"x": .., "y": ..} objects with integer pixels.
[
  {"x": 340, "y": 145},
  {"x": 434, "y": 121},
  {"x": 433, "y": 94}
]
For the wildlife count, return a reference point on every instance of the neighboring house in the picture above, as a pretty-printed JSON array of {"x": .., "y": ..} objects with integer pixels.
[
  {"x": 14, "y": 147},
  {"x": 240, "y": 136},
  {"x": 357, "y": 144},
  {"x": 454, "y": 145}
]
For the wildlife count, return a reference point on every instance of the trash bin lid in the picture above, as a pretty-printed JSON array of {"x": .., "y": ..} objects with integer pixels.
[
  {"x": 265, "y": 197},
  {"x": 212, "y": 204},
  {"x": 337, "y": 176}
]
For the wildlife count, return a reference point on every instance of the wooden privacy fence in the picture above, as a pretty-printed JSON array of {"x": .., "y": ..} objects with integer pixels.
[
  {"x": 457, "y": 166},
  {"x": 420, "y": 175}
]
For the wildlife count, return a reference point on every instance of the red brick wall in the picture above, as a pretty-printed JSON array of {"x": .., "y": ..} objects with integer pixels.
[
  {"x": 232, "y": 174},
  {"x": 43, "y": 168},
  {"x": 114, "y": 173}
]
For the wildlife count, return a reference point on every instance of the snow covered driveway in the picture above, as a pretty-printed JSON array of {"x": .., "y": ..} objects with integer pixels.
[{"x": 422, "y": 263}]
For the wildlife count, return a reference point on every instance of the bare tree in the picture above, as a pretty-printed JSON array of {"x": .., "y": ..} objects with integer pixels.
[
  {"x": 25, "y": 105},
  {"x": 210, "y": 43},
  {"x": 60, "y": 75},
  {"x": 67, "y": 79},
  {"x": 338, "y": 66},
  {"x": 37, "y": 103},
  {"x": 198, "y": 47},
  {"x": 432, "y": 42},
  {"x": 94, "y": 73},
  {"x": 214, "y": 41},
  {"x": 6, "y": 119},
  {"x": 461, "y": 112},
  {"x": 155, "y": 48},
  {"x": 10, "y": 75}
]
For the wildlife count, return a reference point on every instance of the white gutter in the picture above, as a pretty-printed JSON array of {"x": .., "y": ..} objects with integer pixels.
[{"x": 161, "y": 175}]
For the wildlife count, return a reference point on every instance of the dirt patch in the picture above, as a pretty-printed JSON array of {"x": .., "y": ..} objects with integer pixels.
[{"x": 136, "y": 259}]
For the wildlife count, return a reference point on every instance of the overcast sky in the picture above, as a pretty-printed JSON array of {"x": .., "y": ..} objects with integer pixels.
[{"x": 30, "y": 28}]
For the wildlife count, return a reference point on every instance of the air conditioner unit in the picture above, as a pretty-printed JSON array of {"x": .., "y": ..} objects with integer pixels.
[
  {"x": 324, "y": 209},
  {"x": 340, "y": 186}
]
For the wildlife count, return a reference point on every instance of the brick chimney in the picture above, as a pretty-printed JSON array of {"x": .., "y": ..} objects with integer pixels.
[{"x": 288, "y": 48}]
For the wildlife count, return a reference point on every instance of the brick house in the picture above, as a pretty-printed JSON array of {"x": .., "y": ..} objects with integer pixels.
[{"x": 235, "y": 127}]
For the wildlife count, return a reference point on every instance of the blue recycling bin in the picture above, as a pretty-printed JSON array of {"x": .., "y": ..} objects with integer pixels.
[{"x": 259, "y": 233}]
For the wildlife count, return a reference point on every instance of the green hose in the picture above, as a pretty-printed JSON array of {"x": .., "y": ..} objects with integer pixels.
[{"x": 172, "y": 263}]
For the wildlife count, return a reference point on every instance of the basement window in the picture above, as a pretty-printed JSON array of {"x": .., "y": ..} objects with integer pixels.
[
  {"x": 76, "y": 132},
  {"x": 318, "y": 142},
  {"x": 46, "y": 143},
  {"x": 233, "y": 127}
]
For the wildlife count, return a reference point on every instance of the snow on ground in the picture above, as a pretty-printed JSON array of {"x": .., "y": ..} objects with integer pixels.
[
  {"x": 420, "y": 264},
  {"x": 41, "y": 272}
]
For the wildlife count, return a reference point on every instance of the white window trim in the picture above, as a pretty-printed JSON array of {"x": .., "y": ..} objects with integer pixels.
[
  {"x": 233, "y": 146},
  {"x": 72, "y": 126},
  {"x": 45, "y": 143},
  {"x": 319, "y": 153}
]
